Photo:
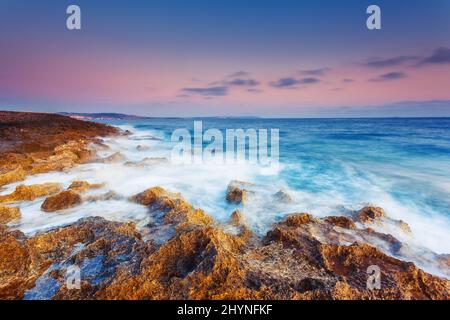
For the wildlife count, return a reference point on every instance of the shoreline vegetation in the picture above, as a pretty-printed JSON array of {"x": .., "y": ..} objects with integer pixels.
[{"x": 301, "y": 257}]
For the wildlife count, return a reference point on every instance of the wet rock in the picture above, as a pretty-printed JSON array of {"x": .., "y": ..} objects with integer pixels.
[
  {"x": 370, "y": 214},
  {"x": 237, "y": 218},
  {"x": 176, "y": 210},
  {"x": 47, "y": 166},
  {"x": 399, "y": 280},
  {"x": 341, "y": 221},
  {"x": 83, "y": 186},
  {"x": 237, "y": 192},
  {"x": 204, "y": 262},
  {"x": 377, "y": 215},
  {"x": 9, "y": 214},
  {"x": 63, "y": 200},
  {"x": 283, "y": 196},
  {"x": 394, "y": 245},
  {"x": 114, "y": 158},
  {"x": 17, "y": 174},
  {"x": 31, "y": 192},
  {"x": 347, "y": 265},
  {"x": 15, "y": 265},
  {"x": 101, "y": 250},
  {"x": 403, "y": 226},
  {"x": 159, "y": 198},
  {"x": 299, "y": 219},
  {"x": 197, "y": 264}
]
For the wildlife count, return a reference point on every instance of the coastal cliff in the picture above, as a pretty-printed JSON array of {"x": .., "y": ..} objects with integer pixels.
[{"x": 183, "y": 253}]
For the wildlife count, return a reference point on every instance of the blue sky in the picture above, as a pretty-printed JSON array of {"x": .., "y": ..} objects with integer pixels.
[{"x": 176, "y": 57}]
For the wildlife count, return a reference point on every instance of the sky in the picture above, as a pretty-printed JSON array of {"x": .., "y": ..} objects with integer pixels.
[{"x": 273, "y": 58}]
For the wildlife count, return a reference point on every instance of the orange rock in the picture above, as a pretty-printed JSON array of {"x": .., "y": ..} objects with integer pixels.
[
  {"x": 38, "y": 143},
  {"x": 299, "y": 219},
  {"x": 8, "y": 214},
  {"x": 31, "y": 192},
  {"x": 370, "y": 214},
  {"x": 18, "y": 174},
  {"x": 236, "y": 194},
  {"x": 15, "y": 265},
  {"x": 341, "y": 221},
  {"x": 237, "y": 219},
  {"x": 176, "y": 209},
  {"x": 63, "y": 200},
  {"x": 83, "y": 186}
]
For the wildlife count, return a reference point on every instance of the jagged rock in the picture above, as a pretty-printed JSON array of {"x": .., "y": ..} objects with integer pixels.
[
  {"x": 63, "y": 200},
  {"x": 403, "y": 226},
  {"x": 83, "y": 186},
  {"x": 237, "y": 192},
  {"x": 341, "y": 221},
  {"x": 370, "y": 214},
  {"x": 114, "y": 158},
  {"x": 348, "y": 266},
  {"x": 101, "y": 249},
  {"x": 237, "y": 219},
  {"x": 15, "y": 265},
  {"x": 283, "y": 196},
  {"x": 31, "y": 192},
  {"x": 52, "y": 166},
  {"x": 158, "y": 196},
  {"x": 399, "y": 280},
  {"x": 299, "y": 219},
  {"x": 203, "y": 262},
  {"x": 197, "y": 264},
  {"x": 17, "y": 174},
  {"x": 176, "y": 209},
  {"x": 9, "y": 214},
  {"x": 236, "y": 196}
]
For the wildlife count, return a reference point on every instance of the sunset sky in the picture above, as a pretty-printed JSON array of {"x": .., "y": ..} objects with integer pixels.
[{"x": 227, "y": 57}]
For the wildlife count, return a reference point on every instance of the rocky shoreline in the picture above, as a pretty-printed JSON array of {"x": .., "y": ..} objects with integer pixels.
[{"x": 301, "y": 257}]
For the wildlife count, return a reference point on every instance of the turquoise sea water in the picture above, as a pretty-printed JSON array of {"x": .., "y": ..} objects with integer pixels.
[{"x": 337, "y": 165}]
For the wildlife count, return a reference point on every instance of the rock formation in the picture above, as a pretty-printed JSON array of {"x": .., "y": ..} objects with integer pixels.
[
  {"x": 33, "y": 143},
  {"x": 31, "y": 192},
  {"x": 237, "y": 192},
  {"x": 63, "y": 200},
  {"x": 9, "y": 214},
  {"x": 300, "y": 258}
]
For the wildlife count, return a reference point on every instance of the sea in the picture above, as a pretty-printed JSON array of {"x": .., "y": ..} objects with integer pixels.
[{"x": 326, "y": 167}]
